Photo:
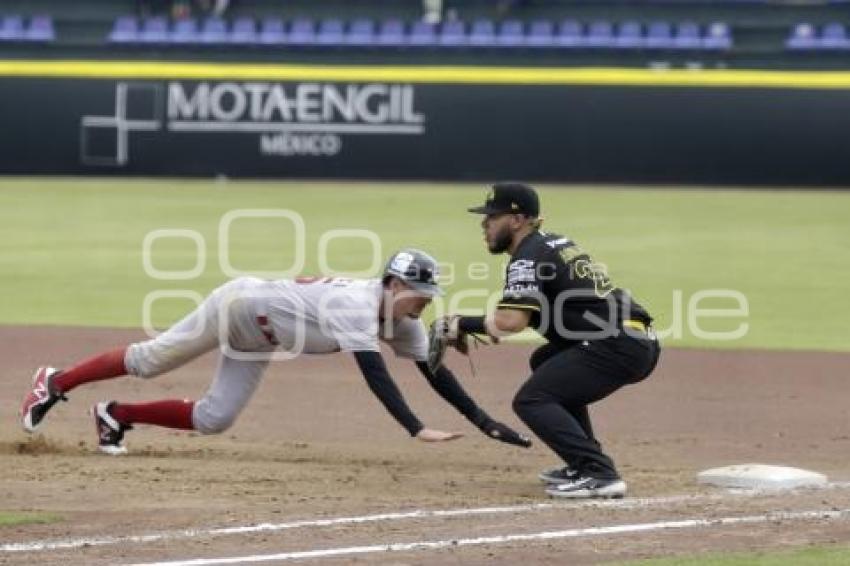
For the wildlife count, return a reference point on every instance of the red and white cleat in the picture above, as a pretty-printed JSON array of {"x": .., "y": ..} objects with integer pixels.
[{"x": 40, "y": 398}]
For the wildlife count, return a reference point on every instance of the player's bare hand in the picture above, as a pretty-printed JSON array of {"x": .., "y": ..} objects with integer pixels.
[{"x": 431, "y": 435}]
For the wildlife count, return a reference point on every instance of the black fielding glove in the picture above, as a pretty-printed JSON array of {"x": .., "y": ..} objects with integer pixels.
[{"x": 504, "y": 433}]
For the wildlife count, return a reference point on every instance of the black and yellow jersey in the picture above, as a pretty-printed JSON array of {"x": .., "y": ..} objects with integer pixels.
[{"x": 569, "y": 295}]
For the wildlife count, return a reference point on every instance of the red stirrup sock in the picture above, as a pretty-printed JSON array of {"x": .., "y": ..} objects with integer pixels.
[
  {"x": 170, "y": 413},
  {"x": 103, "y": 366}
]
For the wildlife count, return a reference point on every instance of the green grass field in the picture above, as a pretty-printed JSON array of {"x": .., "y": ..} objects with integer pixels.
[
  {"x": 72, "y": 249},
  {"x": 13, "y": 518}
]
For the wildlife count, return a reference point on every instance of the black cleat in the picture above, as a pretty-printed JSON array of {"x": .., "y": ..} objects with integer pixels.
[
  {"x": 585, "y": 487},
  {"x": 558, "y": 475},
  {"x": 110, "y": 433}
]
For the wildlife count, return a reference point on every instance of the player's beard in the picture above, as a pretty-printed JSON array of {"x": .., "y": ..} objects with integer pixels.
[{"x": 501, "y": 242}]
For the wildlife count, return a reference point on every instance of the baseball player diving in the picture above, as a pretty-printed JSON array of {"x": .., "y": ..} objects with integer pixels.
[
  {"x": 598, "y": 339},
  {"x": 249, "y": 319}
]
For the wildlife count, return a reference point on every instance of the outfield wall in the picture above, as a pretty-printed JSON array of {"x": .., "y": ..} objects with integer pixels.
[{"x": 567, "y": 125}]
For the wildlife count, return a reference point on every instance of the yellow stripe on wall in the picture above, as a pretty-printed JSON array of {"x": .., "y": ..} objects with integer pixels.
[{"x": 408, "y": 74}]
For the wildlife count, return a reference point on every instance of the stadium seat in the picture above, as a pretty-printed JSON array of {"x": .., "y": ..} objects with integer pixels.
[
  {"x": 214, "y": 30},
  {"x": 629, "y": 35},
  {"x": 482, "y": 33},
  {"x": 718, "y": 37},
  {"x": 272, "y": 32},
  {"x": 12, "y": 28},
  {"x": 453, "y": 34},
  {"x": 154, "y": 30},
  {"x": 330, "y": 32},
  {"x": 834, "y": 36},
  {"x": 40, "y": 29},
  {"x": 184, "y": 31},
  {"x": 687, "y": 36},
  {"x": 659, "y": 35},
  {"x": 361, "y": 32},
  {"x": 802, "y": 37},
  {"x": 391, "y": 33},
  {"x": 124, "y": 30},
  {"x": 302, "y": 32},
  {"x": 244, "y": 31},
  {"x": 569, "y": 34},
  {"x": 422, "y": 34},
  {"x": 511, "y": 34},
  {"x": 541, "y": 33},
  {"x": 600, "y": 34}
]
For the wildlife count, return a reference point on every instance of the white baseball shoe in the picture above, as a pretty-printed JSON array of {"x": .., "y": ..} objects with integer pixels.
[{"x": 587, "y": 487}]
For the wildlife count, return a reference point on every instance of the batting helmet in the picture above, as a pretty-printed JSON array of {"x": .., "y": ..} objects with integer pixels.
[{"x": 417, "y": 269}]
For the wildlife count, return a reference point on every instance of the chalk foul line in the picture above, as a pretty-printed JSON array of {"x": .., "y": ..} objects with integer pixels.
[
  {"x": 629, "y": 503},
  {"x": 502, "y": 539}
]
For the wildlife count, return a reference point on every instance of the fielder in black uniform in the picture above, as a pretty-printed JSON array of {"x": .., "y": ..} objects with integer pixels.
[{"x": 598, "y": 338}]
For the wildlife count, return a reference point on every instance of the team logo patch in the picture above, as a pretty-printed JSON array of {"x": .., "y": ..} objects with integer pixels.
[{"x": 401, "y": 262}]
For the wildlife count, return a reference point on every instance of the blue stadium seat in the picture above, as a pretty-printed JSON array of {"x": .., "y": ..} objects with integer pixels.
[
  {"x": 244, "y": 31},
  {"x": 214, "y": 30},
  {"x": 833, "y": 36},
  {"x": 570, "y": 34},
  {"x": 154, "y": 30},
  {"x": 184, "y": 32},
  {"x": 361, "y": 32},
  {"x": 600, "y": 34},
  {"x": 687, "y": 36},
  {"x": 541, "y": 33},
  {"x": 803, "y": 36},
  {"x": 659, "y": 35},
  {"x": 40, "y": 29},
  {"x": 330, "y": 32},
  {"x": 272, "y": 32},
  {"x": 511, "y": 34},
  {"x": 302, "y": 32},
  {"x": 391, "y": 33},
  {"x": 629, "y": 35},
  {"x": 482, "y": 33},
  {"x": 718, "y": 37},
  {"x": 12, "y": 28},
  {"x": 453, "y": 34},
  {"x": 422, "y": 34},
  {"x": 124, "y": 30}
]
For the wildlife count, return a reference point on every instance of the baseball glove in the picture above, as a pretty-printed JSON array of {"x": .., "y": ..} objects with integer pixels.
[
  {"x": 445, "y": 332},
  {"x": 504, "y": 433}
]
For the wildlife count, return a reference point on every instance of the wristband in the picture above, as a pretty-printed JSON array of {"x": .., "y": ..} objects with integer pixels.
[{"x": 472, "y": 325}]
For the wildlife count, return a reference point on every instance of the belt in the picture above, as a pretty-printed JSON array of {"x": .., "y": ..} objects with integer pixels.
[
  {"x": 267, "y": 329},
  {"x": 636, "y": 324},
  {"x": 640, "y": 327}
]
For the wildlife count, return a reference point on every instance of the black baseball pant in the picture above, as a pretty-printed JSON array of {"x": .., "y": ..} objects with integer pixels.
[{"x": 565, "y": 379}]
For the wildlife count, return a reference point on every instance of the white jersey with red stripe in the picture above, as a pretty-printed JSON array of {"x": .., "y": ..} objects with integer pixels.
[{"x": 330, "y": 314}]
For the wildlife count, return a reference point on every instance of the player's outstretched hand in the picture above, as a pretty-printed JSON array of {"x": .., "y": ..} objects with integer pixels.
[
  {"x": 504, "y": 433},
  {"x": 431, "y": 435}
]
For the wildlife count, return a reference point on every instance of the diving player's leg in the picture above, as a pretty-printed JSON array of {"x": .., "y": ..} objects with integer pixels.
[
  {"x": 232, "y": 388},
  {"x": 241, "y": 365},
  {"x": 196, "y": 334},
  {"x": 234, "y": 384}
]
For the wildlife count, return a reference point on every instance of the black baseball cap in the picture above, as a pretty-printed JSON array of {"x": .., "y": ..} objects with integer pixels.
[{"x": 516, "y": 198}]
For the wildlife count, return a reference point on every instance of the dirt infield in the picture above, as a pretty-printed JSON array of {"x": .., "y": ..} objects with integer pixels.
[{"x": 315, "y": 443}]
